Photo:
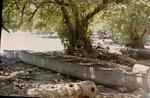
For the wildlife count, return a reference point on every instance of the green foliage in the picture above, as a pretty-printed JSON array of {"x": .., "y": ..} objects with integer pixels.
[
  {"x": 47, "y": 15},
  {"x": 72, "y": 19},
  {"x": 125, "y": 19},
  {"x": 64, "y": 35}
]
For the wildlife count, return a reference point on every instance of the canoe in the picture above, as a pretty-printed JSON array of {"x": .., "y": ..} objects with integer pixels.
[{"x": 97, "y": 72}]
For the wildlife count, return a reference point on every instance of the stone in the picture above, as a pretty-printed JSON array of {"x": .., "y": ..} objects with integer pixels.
[
  {"x": 84, "y": 89},
  {"x": 3, "y": 77}
]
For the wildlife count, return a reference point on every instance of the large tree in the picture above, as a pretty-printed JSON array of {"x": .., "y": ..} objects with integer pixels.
[
  {"x": 70, "y": 18},
  {"x": 130, "y": 21}
]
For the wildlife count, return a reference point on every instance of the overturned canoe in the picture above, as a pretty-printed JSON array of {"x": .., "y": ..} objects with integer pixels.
[{"x": 99, "y": 72}]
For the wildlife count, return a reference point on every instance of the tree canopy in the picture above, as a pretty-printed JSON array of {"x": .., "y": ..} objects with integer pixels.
[
  {"x": 71, "y": 18},
  {"x": 130, "y": 21}
]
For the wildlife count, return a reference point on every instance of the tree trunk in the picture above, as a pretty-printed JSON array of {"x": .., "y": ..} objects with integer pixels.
[
  {"x": 85, "y": 43},
  {"x": 135, "y": 40},
  {"x": 80, "y": 42},
  {"x": 1, "y": 8},
  {"x": 78, "y": 39},
  {"x": 138, "y": 43}
]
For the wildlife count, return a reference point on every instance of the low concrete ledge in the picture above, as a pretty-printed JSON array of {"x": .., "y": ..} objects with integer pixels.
[{"x": 98, "y": 74}]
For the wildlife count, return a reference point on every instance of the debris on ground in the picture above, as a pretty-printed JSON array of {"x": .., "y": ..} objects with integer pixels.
[{"x": 17, "y": 79}]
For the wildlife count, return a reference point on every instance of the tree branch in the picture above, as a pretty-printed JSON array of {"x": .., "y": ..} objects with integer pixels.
[
  {"x": 45, "y": 2},
  {"x": 95, "y": 11},
  {"x": 65, "y": 15},
  {"x": 105, "y": 1},
  {"x": 16, "y": 5},
  {"x": 144, "y": 33},
  {"x": 76, "y": 18},
  {"x": 119, "y": 1},
  {"x": 75, "y": 13},
  {"x": 100, "y": 7},
  {"x": 22, "y": 12},
  {"x": 51, "y": 2},
  {"x": 34, "y": 3},
  {"x": 5, "y": 29},
  {"x": 33, "y": 14}
]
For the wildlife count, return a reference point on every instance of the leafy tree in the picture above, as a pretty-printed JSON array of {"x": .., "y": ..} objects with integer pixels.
[
  {"x": 130, "y": 21},
  {"x": 70, "y": 18}
]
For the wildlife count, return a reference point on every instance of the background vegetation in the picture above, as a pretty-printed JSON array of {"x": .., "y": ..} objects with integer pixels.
[{"x": 73, "y": 20}]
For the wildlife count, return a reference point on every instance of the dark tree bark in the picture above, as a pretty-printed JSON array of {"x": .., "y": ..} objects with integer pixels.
[
  {"x": 79, "y": 41},
  {"x": 136, "y": 43},
  {"x": 1, "y": 7},
  {"x": 135, "y": 40}
]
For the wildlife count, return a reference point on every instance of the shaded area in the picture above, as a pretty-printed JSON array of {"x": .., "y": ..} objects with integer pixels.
[
  {"x": 26, "y": 76},
  {"x": 17, "y": 78},
  {"x": 1, "y": 8}
]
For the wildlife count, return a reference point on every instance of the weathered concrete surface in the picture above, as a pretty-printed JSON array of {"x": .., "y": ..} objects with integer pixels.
[{"x": 98, "y": 74}]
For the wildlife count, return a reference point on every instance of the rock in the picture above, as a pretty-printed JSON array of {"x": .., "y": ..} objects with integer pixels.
[
  {"x": 84, "y": 89},
  {"x": 141, "y": 69},
  {"x": 3, "y": 78}
]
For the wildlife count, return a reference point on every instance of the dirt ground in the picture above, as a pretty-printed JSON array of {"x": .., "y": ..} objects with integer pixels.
[{"x": 16, "y": 79}]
